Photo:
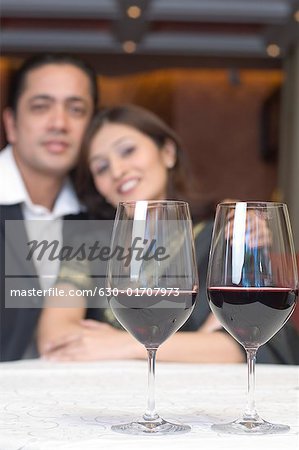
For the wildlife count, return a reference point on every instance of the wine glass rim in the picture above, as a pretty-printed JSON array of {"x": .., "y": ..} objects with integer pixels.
[
  {"x": 154, "y": 202},
  {"x": 254, "y": 204}
]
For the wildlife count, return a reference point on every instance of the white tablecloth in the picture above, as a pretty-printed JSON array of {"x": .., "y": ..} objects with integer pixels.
[{"x": 52, "y": 406}]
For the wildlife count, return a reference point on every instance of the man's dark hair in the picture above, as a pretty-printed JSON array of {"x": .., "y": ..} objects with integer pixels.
[{"x": 18, "y": 80}]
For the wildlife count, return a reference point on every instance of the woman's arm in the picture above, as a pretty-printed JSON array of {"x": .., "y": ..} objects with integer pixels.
[
  {"x": 201, "y": 347},
  {"x": 63, "y": 335},
  {"x": 90, "y": 340},
  {"x": 57, "y": 324}
]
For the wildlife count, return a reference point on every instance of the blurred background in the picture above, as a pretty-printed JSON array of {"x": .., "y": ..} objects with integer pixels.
[{"x": 223, "y": 73}]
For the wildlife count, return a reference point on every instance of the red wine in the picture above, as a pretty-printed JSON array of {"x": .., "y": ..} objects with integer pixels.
[
  {"x": 151, "y": 319},
  {"x": 252, "y": 315}
]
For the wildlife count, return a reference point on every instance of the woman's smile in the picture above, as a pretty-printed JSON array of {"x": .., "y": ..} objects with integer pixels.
[{"x": 128, "y": 185}]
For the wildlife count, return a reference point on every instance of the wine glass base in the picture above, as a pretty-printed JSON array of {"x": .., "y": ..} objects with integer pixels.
[
  {"x": 153, "y": 428},
  {"x": 250, "y": 426}
]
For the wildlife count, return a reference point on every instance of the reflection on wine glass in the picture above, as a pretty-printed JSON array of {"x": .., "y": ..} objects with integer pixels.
[
  {"x": 153, "y": 279},
  {"x": 252, "y": 286}
]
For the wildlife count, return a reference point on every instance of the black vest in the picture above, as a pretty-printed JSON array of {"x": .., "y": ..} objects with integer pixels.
[{"x": 17, "y": 325}]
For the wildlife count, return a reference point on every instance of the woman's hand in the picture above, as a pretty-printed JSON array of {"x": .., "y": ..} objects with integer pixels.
[{"x": 94, "y": 341}]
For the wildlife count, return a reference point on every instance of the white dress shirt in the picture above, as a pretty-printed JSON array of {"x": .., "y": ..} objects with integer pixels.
[{"x": 40, "y": 222}]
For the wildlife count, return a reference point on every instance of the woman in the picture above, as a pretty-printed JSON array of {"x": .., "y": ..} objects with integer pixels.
[{"x": 130, "y": 154}]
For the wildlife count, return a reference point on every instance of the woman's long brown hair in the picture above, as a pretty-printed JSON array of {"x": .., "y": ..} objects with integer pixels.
[{"x": 152, "y": 126}]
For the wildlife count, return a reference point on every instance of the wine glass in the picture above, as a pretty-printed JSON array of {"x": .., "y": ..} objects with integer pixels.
[
  {"x": 252, "y": 286},
  {"x": 152, "y": 277}
]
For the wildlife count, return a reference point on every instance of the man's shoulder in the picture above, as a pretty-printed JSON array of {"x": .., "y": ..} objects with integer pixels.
[{"x": 11, "y": 212}]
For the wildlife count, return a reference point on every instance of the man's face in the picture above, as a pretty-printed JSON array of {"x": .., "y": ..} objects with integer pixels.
[{"x": 52, "y": 114}]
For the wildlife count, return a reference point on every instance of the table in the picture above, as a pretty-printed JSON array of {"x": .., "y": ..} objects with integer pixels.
[{"x": 59, "y": 406}]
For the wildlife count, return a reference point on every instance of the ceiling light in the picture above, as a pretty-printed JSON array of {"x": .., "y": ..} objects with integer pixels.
[
  {"x": 273, "y": 50},
  {"x": 129, "y": 46},
  {"x": 134, "y": 12}
]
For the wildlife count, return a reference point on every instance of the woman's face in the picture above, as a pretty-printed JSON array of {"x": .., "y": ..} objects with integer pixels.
[{"x": 127, "y": 165}]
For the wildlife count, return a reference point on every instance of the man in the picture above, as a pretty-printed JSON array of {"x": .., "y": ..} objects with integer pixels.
[{"x": 52, "y": 100}]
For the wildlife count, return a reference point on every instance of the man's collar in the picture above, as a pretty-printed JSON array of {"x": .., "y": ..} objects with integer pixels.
[{"x": 13, "y": 190}]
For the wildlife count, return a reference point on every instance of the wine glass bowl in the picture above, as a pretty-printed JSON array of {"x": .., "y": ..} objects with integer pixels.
[
  {"x": 152, "y": 315},
  {"x": 252, "y": 286},
  {"x": 266, "y": 310},
  {"x": 152, "y": 276}
]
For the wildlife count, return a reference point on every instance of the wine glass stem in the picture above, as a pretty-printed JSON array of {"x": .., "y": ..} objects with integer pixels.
[
  {"x": 250, "y": 412},
  {"x": 150, "y": 413}
]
